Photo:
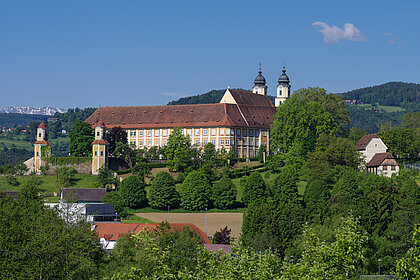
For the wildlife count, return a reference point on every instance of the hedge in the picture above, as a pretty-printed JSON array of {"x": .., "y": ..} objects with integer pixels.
[{"x": 63, "y": 161}]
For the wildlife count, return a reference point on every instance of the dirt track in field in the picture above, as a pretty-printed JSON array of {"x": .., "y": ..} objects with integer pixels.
[{"x": 215, "y": 221}]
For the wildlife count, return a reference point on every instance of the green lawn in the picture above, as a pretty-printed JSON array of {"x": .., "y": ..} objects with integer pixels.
[
  {"x": 391, "y": 109},
  {"x": 48, "y": 182},
  {"x": 136, "y": 219},
  {"x": 388, "y": 109},
  {"x": 17, "y": 142}
]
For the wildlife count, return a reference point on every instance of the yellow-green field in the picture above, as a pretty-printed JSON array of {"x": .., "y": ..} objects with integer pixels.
[
  {"x": 17, "y": 142},
  {"x": 388, "y": 109},
  {"x": 48, "y": 182}
]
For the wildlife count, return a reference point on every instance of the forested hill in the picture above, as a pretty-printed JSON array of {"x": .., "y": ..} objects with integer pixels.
[
  {"x": 213, "y": 96},
  {"x": 405, "y": 95},
  {"x": 16, "y": 119}
]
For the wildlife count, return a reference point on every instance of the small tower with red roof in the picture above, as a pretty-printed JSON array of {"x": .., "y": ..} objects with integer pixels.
[
  {"x": 42, "y": 148},
  {"x": 99, "y": 148}
]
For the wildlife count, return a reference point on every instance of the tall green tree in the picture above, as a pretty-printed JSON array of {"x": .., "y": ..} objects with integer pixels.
[
  {"x": 196, "y": 192},
  {"x": 163, "y": 192},
  {"x": 297, "y": 126},
  {"x": 316, "y": 198},
  {"x": 337, "y": 260},
  {"x": 209, "y": 154},
  {"x": 81, "y": 138},
  {"x": 355, "y": 134},
  {"x": 115, "y": 135},
  {"x": 289, "y": 212},
  {"x": 65, "y": 176},
  {"x": 254, "y": 189},
  {"x": 412, "y": 121},
  {"x": 224, "y": 193},
  {"x": 105, "y": 176},
  {"x": 126, "y": 153},
  {"x": 179, "y": 151},
  {"x": 330, "y": 152},
  {"x": 132, "y": 192},
  {"x": 35, "y": 243},
  {"x": 332, "y": 103},
  {"x": 402, "y": 143},
  {"x": 408, "y": 267}
]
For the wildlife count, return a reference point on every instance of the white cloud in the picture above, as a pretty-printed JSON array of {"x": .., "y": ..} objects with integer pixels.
[
  {"x": 392, "y": 38},
  {"x": 333, "y": 34}
]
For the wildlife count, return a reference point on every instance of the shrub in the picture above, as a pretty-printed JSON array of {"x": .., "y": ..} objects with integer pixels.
[
  {"x": 133, "y": 194},
  {"x": 163, "y": 192},
  {"x": 254, "y": 189},
  {"x": 224, "y": 193},
  {"x": 222, "y": 236},
  {"x": 195, "y": 192}
]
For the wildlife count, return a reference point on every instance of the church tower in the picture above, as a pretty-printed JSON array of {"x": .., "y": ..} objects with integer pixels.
[
  {"x": 99, "y": 149},
  {"x": 259, "y": 84},
  {"x": 283, "y": 89},
  {"x": 42, "y": 148}
]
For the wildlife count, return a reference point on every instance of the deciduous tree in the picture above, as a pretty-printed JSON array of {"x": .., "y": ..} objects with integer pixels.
[
  {"x": 35, "y": 243},
  {"x": 402, "y": 143},
  {"x": 163, "y": 192},
  {"x": 321, "y": 260},
  {"x": 254, "y": 189},
  {"x": 115, "y": 135},
  {"x": 195, "y": 192},
  {"x": 81, "y": 138},
  {"x": 224, "y": 193},
  {"x": 298, "y": 124},
  {"x": 126, "y": 153},
  {"x": 178, "y": 151},
  {"x": 132, "y": 192}
]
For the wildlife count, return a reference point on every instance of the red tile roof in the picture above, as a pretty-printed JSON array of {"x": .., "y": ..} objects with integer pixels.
[
  {"x": 42, "y": 142},
  {"x": 249, "y": 98},
  {"x": 365, "y": 140},
  {"x": 378, "y": 158},
  {"x": 112, "y": 231},
  {"x": 252, "y": 110},
  {"x": 42, "y": 125},
  {"x": 100, "y": 141}
]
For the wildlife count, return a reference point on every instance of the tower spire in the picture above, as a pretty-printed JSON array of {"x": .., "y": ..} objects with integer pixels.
[
  {"x": 259, "y": 83},
  {"x": 283, "y": 88}
]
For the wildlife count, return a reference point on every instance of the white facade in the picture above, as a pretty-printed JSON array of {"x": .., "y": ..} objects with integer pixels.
[
  {"x": 283, "y": 92},
  {"x": 375, "y": 146}
]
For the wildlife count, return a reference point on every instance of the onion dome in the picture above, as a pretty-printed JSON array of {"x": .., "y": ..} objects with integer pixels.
[
  {"x": 284, "y": 79},
  {"x": 259, "y": 80},
  {"x": 42, "y": 125}
]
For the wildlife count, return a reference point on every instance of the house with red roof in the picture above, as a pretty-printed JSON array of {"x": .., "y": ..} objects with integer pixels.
[
  {"x": 376, "y": 157},
  {"x": 109, "y": 233}
]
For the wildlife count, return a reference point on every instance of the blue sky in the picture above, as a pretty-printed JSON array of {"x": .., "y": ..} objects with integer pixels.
[{"x": 116, "y": 53}]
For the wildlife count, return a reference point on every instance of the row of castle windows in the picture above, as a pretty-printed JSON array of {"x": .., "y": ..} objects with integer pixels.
[
  {"x": 223, "y": 142},
  {"x": 213, "y": 131}
]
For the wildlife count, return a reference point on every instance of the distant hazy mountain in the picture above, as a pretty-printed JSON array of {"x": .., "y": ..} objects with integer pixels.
[{"x": 49, "y": 111}]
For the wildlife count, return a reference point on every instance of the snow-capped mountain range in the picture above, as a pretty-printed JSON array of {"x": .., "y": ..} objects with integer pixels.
[{"x": 49, "y": 111}]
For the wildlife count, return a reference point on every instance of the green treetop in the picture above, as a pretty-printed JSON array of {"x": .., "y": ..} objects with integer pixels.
[
  {"x": 81, "y": 138},
  {"x": 196, "y": 191},
  {"x": 178, "y": 151}
]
